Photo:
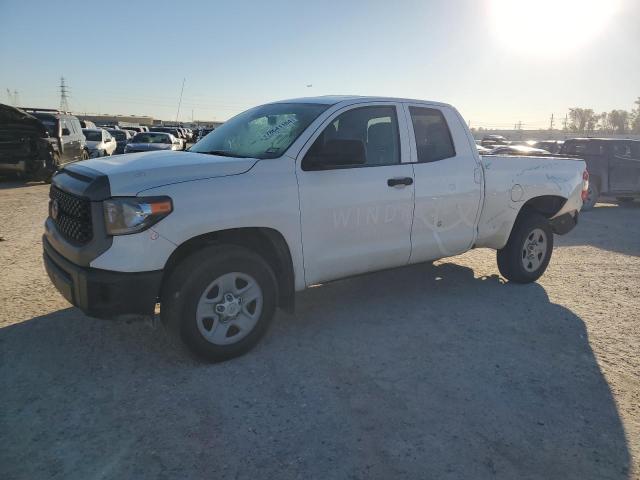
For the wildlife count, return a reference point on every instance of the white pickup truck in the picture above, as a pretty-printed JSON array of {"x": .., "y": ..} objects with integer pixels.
[{"x": 288, "y": 195}]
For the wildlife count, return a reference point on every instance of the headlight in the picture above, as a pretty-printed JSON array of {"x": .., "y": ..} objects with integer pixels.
[{"x": 126, "y": 215}]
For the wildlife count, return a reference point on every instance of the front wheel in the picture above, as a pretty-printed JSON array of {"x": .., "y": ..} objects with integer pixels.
[
  {"x": 220, "y": 301},
  {"x": 526, "y": 255}
]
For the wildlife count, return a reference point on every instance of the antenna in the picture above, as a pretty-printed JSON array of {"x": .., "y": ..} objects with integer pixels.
[
  {"x": 64, "y": 96},
  {"x": 180, "y": 101}
]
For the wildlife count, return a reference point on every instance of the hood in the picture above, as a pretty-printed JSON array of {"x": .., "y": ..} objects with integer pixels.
[
  {"x": 132, "y": 173},
  {"x": 14, "y": 117},
  {"x": 146, "y": 147}
]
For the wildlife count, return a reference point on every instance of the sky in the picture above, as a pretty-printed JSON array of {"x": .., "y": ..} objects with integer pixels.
[{"x": 498, "y": 61}]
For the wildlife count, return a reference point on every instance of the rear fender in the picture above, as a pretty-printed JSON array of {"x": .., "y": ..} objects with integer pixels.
[{"x": 514, "y": 185}]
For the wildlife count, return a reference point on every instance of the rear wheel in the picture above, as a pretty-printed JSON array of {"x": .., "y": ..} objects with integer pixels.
[
  {"x": 220, "y": 301},
  {"x": 592, "y": 196},
  {"x": 526, "y": 255}
]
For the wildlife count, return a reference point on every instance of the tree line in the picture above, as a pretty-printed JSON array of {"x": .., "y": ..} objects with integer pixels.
[{"x": 616, "y": 121}]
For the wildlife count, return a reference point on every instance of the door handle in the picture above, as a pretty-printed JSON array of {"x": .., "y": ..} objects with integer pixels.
[{"x": 403, "y": 181}]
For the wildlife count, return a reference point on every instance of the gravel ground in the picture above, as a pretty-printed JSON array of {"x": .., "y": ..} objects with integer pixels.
[{"x": 429, "y": 371}]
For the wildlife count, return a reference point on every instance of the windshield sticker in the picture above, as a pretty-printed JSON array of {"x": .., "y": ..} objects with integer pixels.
[{"x": 278, "y": 128}]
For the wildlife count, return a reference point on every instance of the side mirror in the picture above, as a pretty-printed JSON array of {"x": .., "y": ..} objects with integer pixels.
[
  {"x": 66, "y": 132},
  {"x": 335, "y": 154}
]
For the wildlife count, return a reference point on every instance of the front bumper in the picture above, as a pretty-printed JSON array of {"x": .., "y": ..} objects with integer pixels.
[{"x": 102, "y": 293}]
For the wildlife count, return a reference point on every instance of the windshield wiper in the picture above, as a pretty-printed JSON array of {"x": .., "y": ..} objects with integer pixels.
[{"x": 223, "y": 153}]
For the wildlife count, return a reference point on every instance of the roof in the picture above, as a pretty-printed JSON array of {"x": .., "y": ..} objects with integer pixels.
[
  {"x": 93, "y": 129},
  {"x": 335, "y": 99}
]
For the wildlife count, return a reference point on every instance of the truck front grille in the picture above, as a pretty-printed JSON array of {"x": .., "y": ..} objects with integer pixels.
[{"x": 72, "y": 215}]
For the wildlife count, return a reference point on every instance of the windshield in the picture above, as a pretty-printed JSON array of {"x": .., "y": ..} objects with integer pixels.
[
  {"x": 151, "y": 138},
  {"x": 92, "y": 136},
  {"x": 51, "y": 124},
  {"x": 262, "y": 132}
]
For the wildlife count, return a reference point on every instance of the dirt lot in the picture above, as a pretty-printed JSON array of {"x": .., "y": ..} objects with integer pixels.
[{"x": 430, "y": 371}]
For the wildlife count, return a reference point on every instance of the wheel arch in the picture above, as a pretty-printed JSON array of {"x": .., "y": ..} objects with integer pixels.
[
  {"x": 547, "y": 205},
  {"x": 269, "y": 243}
]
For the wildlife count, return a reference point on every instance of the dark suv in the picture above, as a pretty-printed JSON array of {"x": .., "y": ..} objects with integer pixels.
[
  {"x": 613, "y": 165},
  {"x": 36, "y": 142}
]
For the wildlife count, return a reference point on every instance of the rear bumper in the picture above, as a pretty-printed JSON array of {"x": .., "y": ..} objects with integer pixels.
[
  {"x": 564, "y": 223},
  {"x": 102, "y": 293}
]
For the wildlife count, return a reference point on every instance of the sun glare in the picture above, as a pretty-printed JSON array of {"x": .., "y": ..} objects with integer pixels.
[{"x": 550, "y": 28}]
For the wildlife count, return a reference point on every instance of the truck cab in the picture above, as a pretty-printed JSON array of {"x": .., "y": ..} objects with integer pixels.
[{"x": 289, "y": 195}]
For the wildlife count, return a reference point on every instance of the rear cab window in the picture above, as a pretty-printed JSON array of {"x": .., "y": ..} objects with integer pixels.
[{"x": 432, "y": 135}]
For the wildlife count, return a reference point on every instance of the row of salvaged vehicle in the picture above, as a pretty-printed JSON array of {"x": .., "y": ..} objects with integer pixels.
[
  {"x": 34, "y": 143},
  {"x": 613, "y": 163}
]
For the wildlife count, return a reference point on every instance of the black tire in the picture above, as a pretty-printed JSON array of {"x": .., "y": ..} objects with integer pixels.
[
  {"x": 51, "y": 168},
  {"x": 190, "y": 280},
  {"x": 512, "y": 258},
  {"x": 592, "y": 196}
]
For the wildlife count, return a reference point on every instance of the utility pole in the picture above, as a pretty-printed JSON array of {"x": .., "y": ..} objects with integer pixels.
[
  {"x": 551, "y": 123},
  {"x": 564, "y": 123},
  {"x": 180, "y": 101},
  {"x": 64, "y": 96}
]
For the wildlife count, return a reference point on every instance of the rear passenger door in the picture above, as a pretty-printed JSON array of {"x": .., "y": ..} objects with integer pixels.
[
  {"x": 448, "y": 183},
  {"x": 356, "y": 193},
  {"x": 624, "y": 167}
]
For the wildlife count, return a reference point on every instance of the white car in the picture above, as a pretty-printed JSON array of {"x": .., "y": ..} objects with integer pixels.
[
  {"x": 289, "y": 195},
  {"x": 148, "y": 141},
  {"x": 100, "y": 143}
]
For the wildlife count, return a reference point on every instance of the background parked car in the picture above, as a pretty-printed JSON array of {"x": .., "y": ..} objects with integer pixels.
[
  {"x": 482, "y": 150},
  {"x": 493, "y": 140},
  {"x": 613, "y": 165},
  {"x": 66, "y": 131},
  {"x": 173, "y": 131},
  {"x": 146, "y": 141},
  {"x": 87, "y": 124},
  {"x": 517, "y": 150},
  {"x": 201, "y": 133},
  {"x": 552, "y": 146},
  {"x": 26, "y": 148},
  {"x": 122, "y": 137},
  {"x": 99, "y": 142}
]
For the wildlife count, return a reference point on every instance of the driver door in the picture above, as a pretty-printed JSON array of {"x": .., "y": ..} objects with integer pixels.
[{"x": 356, "y": 193}]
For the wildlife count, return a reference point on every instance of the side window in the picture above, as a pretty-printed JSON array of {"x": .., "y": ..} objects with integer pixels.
[
  {"x": 77, "y": 127},
  {"x": 433, "y": 138},
  {"x": 621, "y": 149},
  {"x": 65, "y": 128},
  {"x": 366, "y": 136}
]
